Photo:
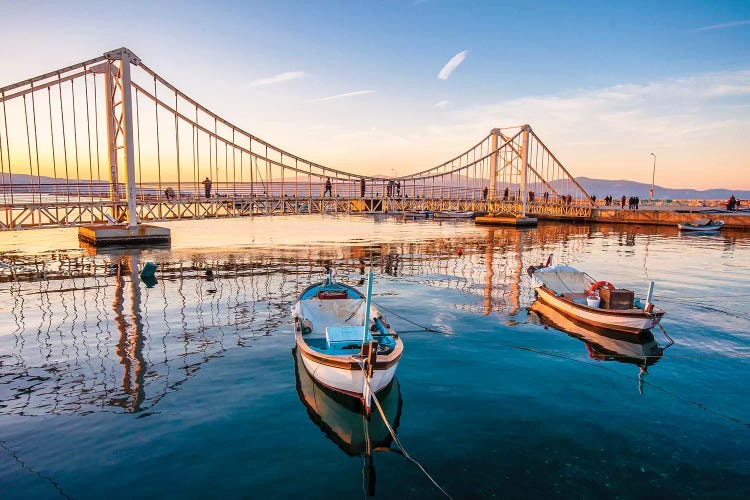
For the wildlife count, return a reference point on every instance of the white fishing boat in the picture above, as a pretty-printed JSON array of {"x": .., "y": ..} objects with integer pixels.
[
  {"x": 597, "y": 303},
  {"x": 701, "y": 225},
  {"x": 344, "y": 341}
]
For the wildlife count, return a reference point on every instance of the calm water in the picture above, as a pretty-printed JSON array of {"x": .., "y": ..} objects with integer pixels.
[{"x": 188, "y": 388}]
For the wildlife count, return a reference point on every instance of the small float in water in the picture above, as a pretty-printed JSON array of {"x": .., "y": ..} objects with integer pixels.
[
  {"x": 597, "y": 303},
  {"x": 701, "y": 225},
  {"x": 345, "y": 343}
]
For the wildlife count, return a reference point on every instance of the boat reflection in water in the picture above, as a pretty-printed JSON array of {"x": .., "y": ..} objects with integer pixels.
[
  {"x": 641, "y": 350},
  {"x": 342, "y": 420}
]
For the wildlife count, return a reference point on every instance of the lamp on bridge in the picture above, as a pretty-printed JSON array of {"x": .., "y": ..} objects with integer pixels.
[{"x": 653, "y": 176}]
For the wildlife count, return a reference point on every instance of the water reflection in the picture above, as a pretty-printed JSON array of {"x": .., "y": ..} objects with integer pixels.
[
  {"x": 641, "y": 350},
  {"x": 86, "y": 333},
  {"x": 342, "y": 421}
]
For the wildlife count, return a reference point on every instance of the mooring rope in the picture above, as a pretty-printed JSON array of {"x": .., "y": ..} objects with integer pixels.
[
  {"x": 422, "y": 327},
  {"x": 566, "y": 355},
  {"x": 393, "y": 433}
]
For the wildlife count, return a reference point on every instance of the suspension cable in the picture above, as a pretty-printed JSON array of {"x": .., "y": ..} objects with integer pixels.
[
  {"x": 7, "y": 150},
  {"x": 36, "y": 148},
  {"x": 75, "y": 142},
  {"x": 158, "y": 143},
  {"x": 52, "y": 136},
  {"x": 65, "y": 144}
]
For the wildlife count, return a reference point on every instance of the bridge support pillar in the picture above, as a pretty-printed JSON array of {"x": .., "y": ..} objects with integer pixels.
[
  {"x": 524, "y": 167},
  {"x": 493, "y": 165},
  {"x": 126, "y": 57},
  {"x": 120, "y": 137}
]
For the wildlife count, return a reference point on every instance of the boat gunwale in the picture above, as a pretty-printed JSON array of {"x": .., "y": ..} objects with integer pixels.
[
  {"x": 346, "y": 361},
  {"x": 601, "y": 316},
  {"x": 633, "y": 312}
]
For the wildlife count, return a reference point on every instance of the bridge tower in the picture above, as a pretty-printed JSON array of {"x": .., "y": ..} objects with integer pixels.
[{"x": 119, "y": 106}]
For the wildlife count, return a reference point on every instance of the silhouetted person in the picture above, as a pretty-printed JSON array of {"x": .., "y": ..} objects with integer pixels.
[
  {"x": 505, "y": 194},
  {"x": 362, "y": 187},
  {"x": 169, "y": 193},
  {"x": 328, "y": 187},
  {"x": 484, "y": 192},
  {"x": 622, "y": 202},
  {"x": 207, "y": 186},
  {"x": 398, "y": 188},
  {"x": 731, "y": 203}
]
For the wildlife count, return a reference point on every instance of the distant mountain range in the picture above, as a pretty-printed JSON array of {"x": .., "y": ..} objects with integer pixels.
[
  {"x": 604, "y": 187},
  {"x": 598, "y": 187}
]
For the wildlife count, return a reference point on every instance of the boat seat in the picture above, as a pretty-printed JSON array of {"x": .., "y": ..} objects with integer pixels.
[{"x": 344, "y": 334}]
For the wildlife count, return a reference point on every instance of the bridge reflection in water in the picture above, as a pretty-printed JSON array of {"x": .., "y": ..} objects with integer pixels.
[{"x": 88, "y": 334}]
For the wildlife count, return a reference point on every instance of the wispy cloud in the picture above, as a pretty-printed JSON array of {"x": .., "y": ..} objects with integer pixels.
[
  {"x": 603, "y": 132},
  {"x": 280, "y": 78},
  {"x": 442, "y": 104},
  {"x": 452, "y": 65},
  {"x": 731, "y": 24},
  {"x": 341, "y": 96}
]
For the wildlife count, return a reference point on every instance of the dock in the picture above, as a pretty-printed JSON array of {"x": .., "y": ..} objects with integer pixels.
[{"x": 107, "y": 235}]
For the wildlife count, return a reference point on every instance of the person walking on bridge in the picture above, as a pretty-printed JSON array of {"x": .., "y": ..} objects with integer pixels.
[
  {"x": 207, "y": 186},
  {"x": 328, "y": 187}
]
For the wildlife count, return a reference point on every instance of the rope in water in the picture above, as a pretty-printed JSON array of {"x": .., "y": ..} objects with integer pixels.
[
  {"x": 421, "y": 327},
  {"x": 572, "y": 353},
  {"x": 393, "y": 433}
]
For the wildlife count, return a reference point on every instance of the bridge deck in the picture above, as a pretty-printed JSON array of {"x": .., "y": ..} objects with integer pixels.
[{"x": 77, "y": 213}]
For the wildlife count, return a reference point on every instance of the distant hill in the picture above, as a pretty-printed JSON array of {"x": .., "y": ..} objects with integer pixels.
[
  {"x": 604, "y": 187},
  {"x": 599, "y": 187}
]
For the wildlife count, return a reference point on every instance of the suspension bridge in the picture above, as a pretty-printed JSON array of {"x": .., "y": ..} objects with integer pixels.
[{"x": 110, "y": 141}]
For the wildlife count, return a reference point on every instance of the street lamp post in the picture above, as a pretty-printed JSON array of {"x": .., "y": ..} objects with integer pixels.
[{"x": 653, "y": 176}]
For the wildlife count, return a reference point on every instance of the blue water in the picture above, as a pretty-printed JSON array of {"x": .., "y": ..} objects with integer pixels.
[{"x": 186, "y": 388}]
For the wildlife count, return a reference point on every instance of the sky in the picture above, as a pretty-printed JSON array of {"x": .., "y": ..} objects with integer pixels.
[{"x": 400, "y": 86}]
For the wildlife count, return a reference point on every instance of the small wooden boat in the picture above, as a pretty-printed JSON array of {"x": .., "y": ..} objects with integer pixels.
[
  {"x": 452, "y": 214},
  {"x": 701, "y": 225},
  {"x": 596, "y": 303},
  {"x": 418, "y": 214},
  {"x": 343, "y": 340},
  {"x": 342, "y": 421},
  {"x": 340, "y": 417},
  {"x": 603, "y": 344}
]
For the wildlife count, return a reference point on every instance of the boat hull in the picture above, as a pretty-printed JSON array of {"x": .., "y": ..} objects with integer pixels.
[
  {"x": 350, "y": 381},
  {"x": 630, "y": 320},
  {"x": 688, "y": 227},
  {"x": 603, "y": 344}
]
